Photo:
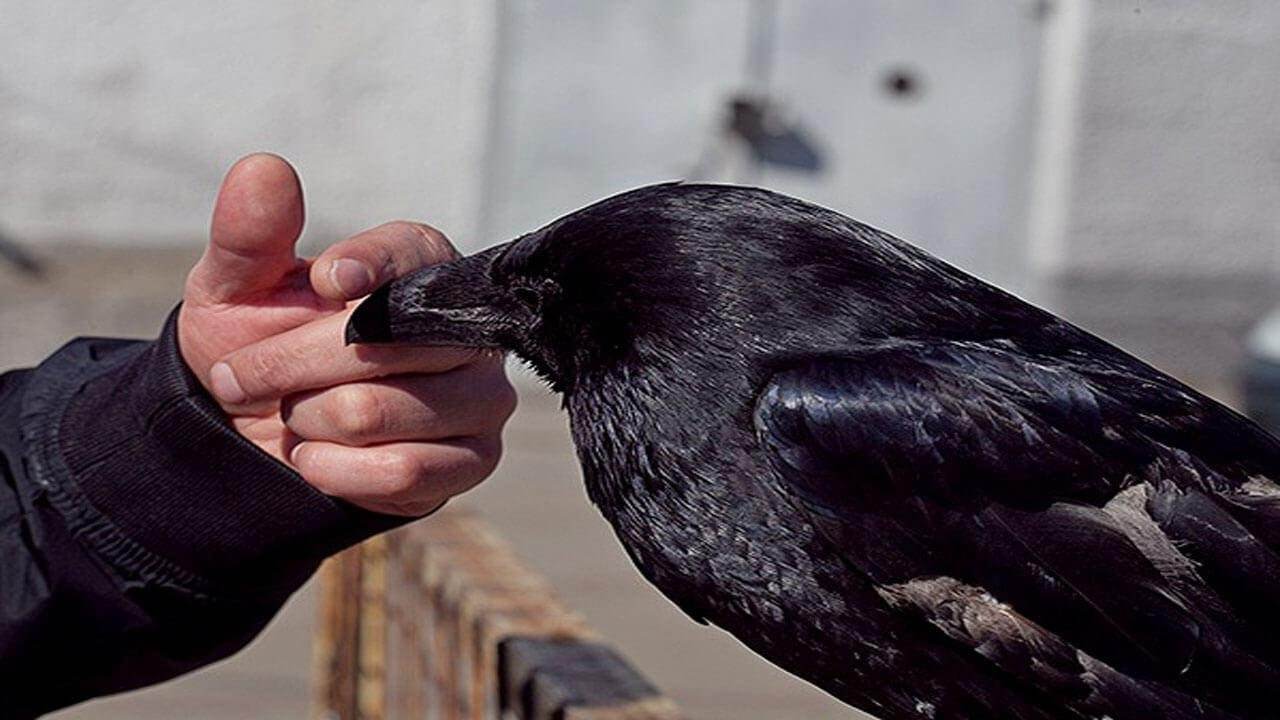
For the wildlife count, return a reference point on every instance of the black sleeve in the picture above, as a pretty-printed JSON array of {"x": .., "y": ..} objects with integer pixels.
[{"x": 140, "y": 536}]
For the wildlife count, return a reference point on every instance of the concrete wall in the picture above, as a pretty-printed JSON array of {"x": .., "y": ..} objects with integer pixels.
[
  {"x": 599, "y": 97},
  {"x": 118, "y": 119},
  {"x": 1115, "y": 159},
  {"x": 1176, "y": 162},
  {"x": 1158, "y": 185}
]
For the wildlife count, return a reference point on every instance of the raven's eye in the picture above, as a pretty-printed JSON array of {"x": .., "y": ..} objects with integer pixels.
[{"x": 528, "y": 296}]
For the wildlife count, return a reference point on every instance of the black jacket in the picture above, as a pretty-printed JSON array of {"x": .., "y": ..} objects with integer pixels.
[{"x": 140, "y": 535}]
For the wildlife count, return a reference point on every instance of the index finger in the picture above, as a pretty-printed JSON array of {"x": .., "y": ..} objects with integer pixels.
[
  {"x": 314, "y": 356},
  {"x": 354, "y": 267}
]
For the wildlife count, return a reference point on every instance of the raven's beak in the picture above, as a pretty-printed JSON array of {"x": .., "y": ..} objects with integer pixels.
[{"x": 452, "y": 304}]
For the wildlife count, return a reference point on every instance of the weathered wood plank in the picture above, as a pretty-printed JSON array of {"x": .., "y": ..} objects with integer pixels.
[
  {"x": 441, "y": 620},
  {"x": 371, "y": 687},
  {"x": 551, "y": 679},
  {"x": 335, "y": 660}
]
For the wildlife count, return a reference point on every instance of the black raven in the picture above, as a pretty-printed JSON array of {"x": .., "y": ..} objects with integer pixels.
[{"x": 896, "y": 481}]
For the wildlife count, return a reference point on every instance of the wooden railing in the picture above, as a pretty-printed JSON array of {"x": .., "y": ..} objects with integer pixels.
[{"x": 440, "y": 620}]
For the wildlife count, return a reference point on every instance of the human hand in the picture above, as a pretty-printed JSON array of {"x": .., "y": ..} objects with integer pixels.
[{"x": 393, "y": 430}]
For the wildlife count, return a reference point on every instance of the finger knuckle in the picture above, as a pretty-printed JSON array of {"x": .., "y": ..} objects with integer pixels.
[
  {"x": 490, "y": 396},
  {"x": 357, "y": 413},
  {"x": 402, "y": 474},
  {"x": 435, "y": 246},
  {"x": 489, "y": 454},
  {"x": 479, "y": 460},
  {"x": 504, "y": 400}
]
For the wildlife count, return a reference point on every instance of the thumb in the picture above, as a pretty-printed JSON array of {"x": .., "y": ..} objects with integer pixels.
[{"x": 256, "y": 221}]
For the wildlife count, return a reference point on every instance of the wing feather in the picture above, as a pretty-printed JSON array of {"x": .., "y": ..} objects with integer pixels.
[{"x": 980, "y": 463}]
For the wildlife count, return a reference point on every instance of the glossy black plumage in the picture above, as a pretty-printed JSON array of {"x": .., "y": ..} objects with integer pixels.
[{"x": 908, "y": 487}]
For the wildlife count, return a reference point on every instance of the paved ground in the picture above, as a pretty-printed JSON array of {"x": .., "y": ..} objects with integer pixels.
[{"x": 536, "y": 498}]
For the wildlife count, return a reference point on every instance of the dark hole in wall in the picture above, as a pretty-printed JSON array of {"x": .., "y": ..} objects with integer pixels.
[{"x": 903, "y": 83}]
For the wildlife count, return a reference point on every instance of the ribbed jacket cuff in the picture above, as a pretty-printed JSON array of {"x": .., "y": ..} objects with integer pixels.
[{"x": 148, "y": 472}]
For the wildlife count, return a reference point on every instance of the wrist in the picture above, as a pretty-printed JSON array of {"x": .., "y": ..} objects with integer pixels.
[{"x": 146, "y": 469}]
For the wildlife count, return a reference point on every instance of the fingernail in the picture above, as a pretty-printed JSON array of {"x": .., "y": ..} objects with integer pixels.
[
  {"x": 353, "y": 277},
  {"x": 224, "y": 384},
  {"x": 294, "y": 452}
]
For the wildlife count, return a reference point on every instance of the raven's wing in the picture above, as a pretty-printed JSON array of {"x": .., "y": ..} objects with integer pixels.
[{"x": 1060, "y": 519}]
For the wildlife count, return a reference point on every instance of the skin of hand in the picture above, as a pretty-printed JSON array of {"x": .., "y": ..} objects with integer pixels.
[{"x": 393, "y": 430}]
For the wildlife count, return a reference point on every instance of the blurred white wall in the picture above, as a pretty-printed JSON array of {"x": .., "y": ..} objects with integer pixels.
[
  {"x": 118, "y": 119},
  {"x": 1157, "y": 203},
  {"x": 1115, "y": 159},
  {"x": 1175, "y": 162},
  {"x": 600, "y": 97}
]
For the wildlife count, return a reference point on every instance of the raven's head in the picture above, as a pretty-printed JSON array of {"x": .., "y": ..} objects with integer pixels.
[{"x": 656, "y": 275}]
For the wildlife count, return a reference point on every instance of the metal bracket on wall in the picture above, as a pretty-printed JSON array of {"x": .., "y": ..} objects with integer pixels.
[
  {"x": 20, "y": 257},
  {"x": 754, "y": 119}
]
